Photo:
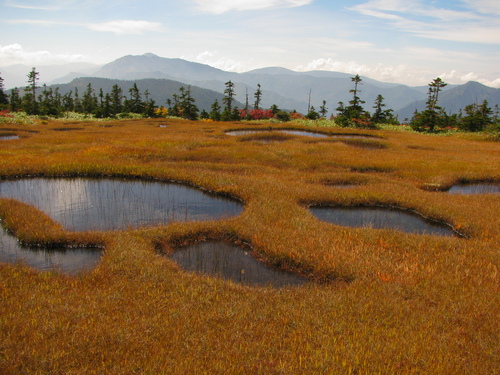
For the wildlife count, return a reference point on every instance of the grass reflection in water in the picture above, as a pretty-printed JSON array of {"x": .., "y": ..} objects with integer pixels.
[{"x": 232, "y": 262}]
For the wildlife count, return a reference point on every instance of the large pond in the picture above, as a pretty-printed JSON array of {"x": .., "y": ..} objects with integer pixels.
[
  {"x": 231, "y": 262},
  {"x": 81, "y": 204},
  {"x": 382, "y": 218},
  {"x": 67, "y": 260},
  {"x": 294, "y": 132},
  {"x": 475, "y": 188}
]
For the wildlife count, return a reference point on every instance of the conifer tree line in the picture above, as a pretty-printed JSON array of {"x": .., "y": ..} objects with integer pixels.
[{"x": 47, "y": 101}]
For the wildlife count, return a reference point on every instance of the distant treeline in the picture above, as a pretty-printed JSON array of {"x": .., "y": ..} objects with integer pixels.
[{"x": 48, "y": 101}]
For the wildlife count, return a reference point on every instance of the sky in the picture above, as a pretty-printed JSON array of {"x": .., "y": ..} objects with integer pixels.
[{"x": 402, "y": 41}]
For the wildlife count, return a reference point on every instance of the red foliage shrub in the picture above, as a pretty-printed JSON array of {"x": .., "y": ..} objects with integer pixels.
[
  {"x": 5, "y": 113},
  {"x": 257, "y": 114},
  {"x": 296, "y": 115}
]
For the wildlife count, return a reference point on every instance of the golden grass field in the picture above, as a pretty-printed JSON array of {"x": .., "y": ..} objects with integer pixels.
[{"x": 379, "y": 301}]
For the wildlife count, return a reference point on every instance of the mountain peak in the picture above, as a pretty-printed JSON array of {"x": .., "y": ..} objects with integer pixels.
[{"x": 149, "y": 54}]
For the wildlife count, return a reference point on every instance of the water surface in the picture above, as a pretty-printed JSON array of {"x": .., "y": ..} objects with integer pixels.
[
  {"x": 8, "y": 137},
  {"x": 81, "y": 204},
  {"x": 381, "y": 218},
  {"x": 67, "y": 260},
  {"x": 294, "y": 132},
  {"x": 477, "y": 188},
  {"x": 231, "y": 262}
]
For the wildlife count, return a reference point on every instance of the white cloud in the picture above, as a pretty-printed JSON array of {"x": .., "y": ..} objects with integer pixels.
[
  {"x": 122, "y": 27},
  {"x": 386, "y": 73},
  {"x": 36, "y": 22},
  {"x": 17, "y": 4},
  {"x": 484, "y": 6},
  {"x": 222, "y": 6},
  {"x": 15, "y": 54},
  {"x": 214, "y": 59},
  {"x": 479, "y": 24},
  {"x": 403, "y": 74},
  {"x": 460, "y": 77}
]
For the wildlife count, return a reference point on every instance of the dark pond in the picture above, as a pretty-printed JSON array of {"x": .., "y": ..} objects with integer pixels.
[
  {"x": 81, "y": 204},
  {"x": 66, "y": 129},
  {"x": 67, "y": 260},
  {"x": 381, "y": 218},
  {"x": 343, "y": 186},
  {"x": 8, "y": 137},
  {"x": 231, "y": 262},
  {"x": 479, "y": 188},
  {"x": 295, "y": 132}
]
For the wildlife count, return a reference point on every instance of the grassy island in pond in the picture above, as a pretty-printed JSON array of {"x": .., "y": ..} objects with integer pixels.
[{"x": 376, "y": 301}]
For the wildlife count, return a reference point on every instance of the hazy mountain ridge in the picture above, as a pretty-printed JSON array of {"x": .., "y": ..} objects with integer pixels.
[
  {"x": 16, "y": 75},
  {"x": 286, "y": 88},
  {"x": 456, "y": 98}
]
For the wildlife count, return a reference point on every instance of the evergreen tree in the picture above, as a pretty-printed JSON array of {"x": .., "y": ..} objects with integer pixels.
[
  {"x": 27, "y": 103},
  {"x": 435, "y": 87},
  {"x": 116, "y": 100},
  {"x": 99, "y": 111},
  {"x": 432, "y": 117},
  {"x": 204, "y": 114},
  {"x": 68, "y": 104},
  {"x": 323, "y": 110},
  {"x": 169, "y": 106},
  {"x": 228, "y": 97},
  {"x": 312, "y": 114},
  {"x": 186, "y": 104},
  {"x": 107, "y": 109},
  {"x": 354, "y": 114},
  {"x": 215, "y": 111},
  {"x": 246, "y": 99},
  {"x": 89, "y": 100},
  {"x": 4, "y": 100},
  {"x": 235, "y": 115},
  {"x": 149, "y": 106},
  {"x": 477, "y": 118},
  {"x": 49, "y": 102},
  {"x": 134, "y": 103},
  {"x": 355, "y": 110},
  {"x": 257, "y": 96},
  {"x": 77, "y": 103},
  {"x": 381, "y": 115},
  {"x": 33, "y": 77},
  {"x": 15, "y": 102},
  {"x": 340, "y": 108}
]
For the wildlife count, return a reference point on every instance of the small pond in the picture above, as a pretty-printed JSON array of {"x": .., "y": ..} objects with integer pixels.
[
  {"x": 8, "y": 137},
  {"x": 382, "y": 218},
  {"x": 67, "y": 260},
  {"x": 476, "y": 188},
  {"x": 294, "y": 132},
  {"x": 66, "y": 129},
  {"x": 81, "y": 204},
  {"x": 231, "y": 262}
]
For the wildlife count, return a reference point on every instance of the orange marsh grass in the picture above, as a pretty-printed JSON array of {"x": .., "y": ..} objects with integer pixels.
[{"x": 380, "y": 301}]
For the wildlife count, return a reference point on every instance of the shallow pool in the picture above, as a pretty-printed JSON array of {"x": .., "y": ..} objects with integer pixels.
[
  {"x": 477, "y": 188},
  {"x": 66, "y": 260},
  {"x": 231, "y": 262},
  {"x": 381, "y": 218}
]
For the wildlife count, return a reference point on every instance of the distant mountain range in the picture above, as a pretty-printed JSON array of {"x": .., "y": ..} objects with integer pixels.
[
  {"x": 159, "y": 89},
  {"x": 288, "y": 89}
]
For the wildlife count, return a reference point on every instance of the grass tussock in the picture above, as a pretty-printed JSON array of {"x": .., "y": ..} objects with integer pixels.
[{"x": 379, "y": 301}]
